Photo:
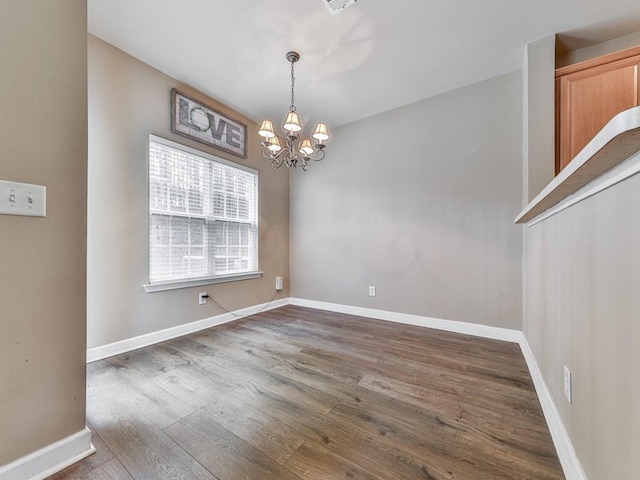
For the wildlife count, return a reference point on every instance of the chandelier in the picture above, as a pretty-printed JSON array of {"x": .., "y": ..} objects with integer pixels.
[{"x": 296, "y": 152}]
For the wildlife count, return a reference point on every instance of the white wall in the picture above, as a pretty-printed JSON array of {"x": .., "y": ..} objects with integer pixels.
[
  {"x": 419, "y": 202},
  {"x": 128, "y": 100}
]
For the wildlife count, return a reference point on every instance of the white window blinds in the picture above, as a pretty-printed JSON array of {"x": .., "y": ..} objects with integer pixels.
[{"x": 203, "y": 215}]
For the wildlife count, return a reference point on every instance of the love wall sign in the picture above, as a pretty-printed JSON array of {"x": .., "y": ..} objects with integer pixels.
[{"x": 195, "y": 120}]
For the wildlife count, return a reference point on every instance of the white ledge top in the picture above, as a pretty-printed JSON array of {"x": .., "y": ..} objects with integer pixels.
[{"x": 615, "y": 143}]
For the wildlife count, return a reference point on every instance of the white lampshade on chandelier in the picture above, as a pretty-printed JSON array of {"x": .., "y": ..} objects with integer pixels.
[{"x": 296, "y": 151}]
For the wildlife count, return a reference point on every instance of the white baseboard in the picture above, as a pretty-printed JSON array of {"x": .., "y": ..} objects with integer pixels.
[
  {"x": 474, "y": 329},
  {"x": 129, "y": 344},
  {"x": 50, "y": 459},
  {"x": 566, "y": 453}
]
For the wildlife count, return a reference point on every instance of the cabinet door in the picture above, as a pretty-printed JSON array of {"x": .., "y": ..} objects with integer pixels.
[{"x": 590, "y": 98}]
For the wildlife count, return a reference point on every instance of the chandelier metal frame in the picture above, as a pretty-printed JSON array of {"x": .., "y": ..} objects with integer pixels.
[{"x": 296, "y": 152}]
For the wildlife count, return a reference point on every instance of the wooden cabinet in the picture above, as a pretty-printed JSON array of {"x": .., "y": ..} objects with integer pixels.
[{"x": 590, "y": 94}]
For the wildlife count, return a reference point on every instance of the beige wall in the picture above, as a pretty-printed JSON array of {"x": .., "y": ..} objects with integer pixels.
[
  {"x": 581, "y": 309},
  {"x": 128, "y": 100},
  {"x": 43, "y": 140},
  {"x": 419, "y": 202}
]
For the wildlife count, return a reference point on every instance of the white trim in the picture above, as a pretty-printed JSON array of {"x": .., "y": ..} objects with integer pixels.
[
  {"x": 50, "y": 459},
  {"x": 209, "y": 278},
  {"x": 474, "y": 329},
  {"x": 126, "y": 345},
  {"x": 566, "y": 453},
  {"x": 626, "y": 169},
  {"x": 196, "y": 282}
]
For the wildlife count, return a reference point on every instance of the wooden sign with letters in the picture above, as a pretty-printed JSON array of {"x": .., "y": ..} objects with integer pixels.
[{"x": 192, "y": 119}]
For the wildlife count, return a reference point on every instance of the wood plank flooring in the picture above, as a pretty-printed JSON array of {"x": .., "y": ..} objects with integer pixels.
[{"x": 297, "y": 393}]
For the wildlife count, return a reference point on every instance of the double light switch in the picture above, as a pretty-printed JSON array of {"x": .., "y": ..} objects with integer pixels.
[{"x": 22, "y": 199}]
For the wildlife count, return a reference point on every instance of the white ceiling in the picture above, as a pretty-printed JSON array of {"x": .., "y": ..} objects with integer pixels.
[{"x": 372, "y": 57}]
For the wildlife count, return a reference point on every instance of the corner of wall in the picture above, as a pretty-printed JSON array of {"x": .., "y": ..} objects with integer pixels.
[{"x": 539, "y": 105}]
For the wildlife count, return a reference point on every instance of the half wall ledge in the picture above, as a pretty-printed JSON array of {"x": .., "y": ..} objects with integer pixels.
[{"x": 617, "y": 142}]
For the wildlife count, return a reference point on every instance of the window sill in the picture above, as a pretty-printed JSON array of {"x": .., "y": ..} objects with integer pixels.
[{"x": 196, "y": 282}]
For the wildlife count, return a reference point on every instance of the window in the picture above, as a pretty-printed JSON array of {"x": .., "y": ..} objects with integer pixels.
[{"x": 203, "y": 216}]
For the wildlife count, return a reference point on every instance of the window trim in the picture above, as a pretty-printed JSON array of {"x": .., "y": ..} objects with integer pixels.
[{"x": 164, "y": 285}]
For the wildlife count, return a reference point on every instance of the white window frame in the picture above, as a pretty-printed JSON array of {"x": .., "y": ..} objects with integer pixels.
[{"x": 172, "y": 284}]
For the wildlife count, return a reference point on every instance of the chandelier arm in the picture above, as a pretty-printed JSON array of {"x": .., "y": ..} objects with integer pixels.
[
  {"x": 292, "y": 143},
  {"x": 268, "y": 153},
  {"x": 277, "y": 160},
  {"x": 317, "y": 156}
]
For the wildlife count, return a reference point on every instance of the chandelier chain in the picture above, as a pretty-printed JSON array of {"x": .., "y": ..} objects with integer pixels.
[{"x": 293, "y": 81}]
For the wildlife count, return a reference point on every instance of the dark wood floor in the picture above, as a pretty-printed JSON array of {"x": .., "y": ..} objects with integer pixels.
[{"x": 296, "y": 393}]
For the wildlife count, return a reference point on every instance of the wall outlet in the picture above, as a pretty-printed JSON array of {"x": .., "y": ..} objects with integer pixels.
[
  {"x": 202, "y": 298},
  {"x": 567, "y": 384},
  {"x": 279, "y": 283},
  {"x": 372, "y": 291}
]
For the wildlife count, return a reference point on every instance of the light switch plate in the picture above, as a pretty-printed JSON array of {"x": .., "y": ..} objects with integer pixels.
[{"x": 22, "y": 199}]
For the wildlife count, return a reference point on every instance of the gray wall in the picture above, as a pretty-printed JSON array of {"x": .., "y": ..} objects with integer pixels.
[
  {"x": 419, "y": 202},
  {"x": 581, "y": 309},
  {"x": 599, "y": 49},
  {"x": 127, "y": 101},
  {"x": 538, "y": 153},
  {"x": 43, "y": 140}
]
